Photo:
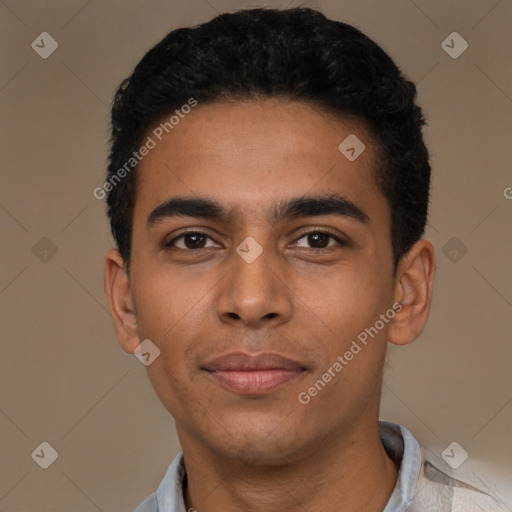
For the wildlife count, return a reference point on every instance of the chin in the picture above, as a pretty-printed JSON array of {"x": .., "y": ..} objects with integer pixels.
[
  {"x": 254, "y": 453},
  {"x": 260, "y": 446}
]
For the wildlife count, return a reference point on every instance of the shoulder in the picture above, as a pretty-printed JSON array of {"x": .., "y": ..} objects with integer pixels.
[
  {"x": 148, "y": 505},
  {"x": 441, "y": 490},
  {"x": 464, "y": 500},
  {"x": 427, "y": 484},
  {"x": 168, "y": 496}
]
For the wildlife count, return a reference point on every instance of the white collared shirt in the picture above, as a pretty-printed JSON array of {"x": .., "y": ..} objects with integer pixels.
[{"x": 420, "y": 487}]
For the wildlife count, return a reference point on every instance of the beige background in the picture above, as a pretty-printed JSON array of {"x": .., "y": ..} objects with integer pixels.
[{"x": 65, "y": 380}]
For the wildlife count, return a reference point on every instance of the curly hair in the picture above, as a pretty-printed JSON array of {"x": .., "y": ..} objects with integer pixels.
[{"x": 297, "y": 54}]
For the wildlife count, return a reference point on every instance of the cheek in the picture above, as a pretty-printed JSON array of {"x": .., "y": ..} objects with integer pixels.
[
  {"x": 174, "y": 310},
  {"x": 346, "y": 298},
  {"x": 348, "y": 302},
  {"x": 167, "y": 302},
  {"x": 173, "y": 314}
]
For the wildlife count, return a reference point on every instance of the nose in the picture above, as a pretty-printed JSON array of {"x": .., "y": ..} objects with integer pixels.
[{"x": 255, "y": 294}]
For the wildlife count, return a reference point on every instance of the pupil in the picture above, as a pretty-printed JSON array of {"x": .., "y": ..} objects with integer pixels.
[
  {"x": 194, "y": 238},
  {"x": 318, "y": 240}
]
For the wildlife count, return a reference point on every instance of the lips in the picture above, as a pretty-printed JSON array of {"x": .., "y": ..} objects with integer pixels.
[{"x": 253, "y": 374}]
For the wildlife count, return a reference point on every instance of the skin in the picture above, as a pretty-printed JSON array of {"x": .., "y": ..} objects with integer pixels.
[{"x": 269, "y": 452}]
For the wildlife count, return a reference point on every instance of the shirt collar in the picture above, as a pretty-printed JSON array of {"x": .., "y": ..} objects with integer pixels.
[
  {"x": 169, "y": 495},
  {"x": 403, "y": 448},
  {"x": 398, "y": 442}
]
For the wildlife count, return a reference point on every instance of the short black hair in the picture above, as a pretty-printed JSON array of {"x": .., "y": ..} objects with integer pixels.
[{"x": 294, "y": 54}]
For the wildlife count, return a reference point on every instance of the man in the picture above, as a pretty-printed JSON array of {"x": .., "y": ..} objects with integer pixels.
[{"x": 268, "y": 192}]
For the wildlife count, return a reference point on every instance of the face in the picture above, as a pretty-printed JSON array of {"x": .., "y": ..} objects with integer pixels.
[{"x": 260, "y": 253}]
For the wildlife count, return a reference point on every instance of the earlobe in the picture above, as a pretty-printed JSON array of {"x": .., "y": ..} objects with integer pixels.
[
  {"x": 413, "y": 290},
  {"x": 118, "y": 291}
]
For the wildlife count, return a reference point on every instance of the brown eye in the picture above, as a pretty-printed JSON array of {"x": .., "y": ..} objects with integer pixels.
[
  {"x": 191, "y": 240},
  {"x": 320, "y": 240}
]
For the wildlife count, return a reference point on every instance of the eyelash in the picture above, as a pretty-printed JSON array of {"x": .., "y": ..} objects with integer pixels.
[{"x": 341, "y": 242}]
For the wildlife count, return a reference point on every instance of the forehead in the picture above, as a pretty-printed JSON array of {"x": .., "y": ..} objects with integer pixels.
[{"x": 247, "y": 154}]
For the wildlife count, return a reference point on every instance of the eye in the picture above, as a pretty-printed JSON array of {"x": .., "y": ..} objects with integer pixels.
[
  {"x": 191, "y": 240},
  {"x": 320, "y": 240},
  {"x": 194, "y": 240}
]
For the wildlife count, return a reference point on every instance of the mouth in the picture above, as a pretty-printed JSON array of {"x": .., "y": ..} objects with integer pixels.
[{"x": 247, "y": 374}]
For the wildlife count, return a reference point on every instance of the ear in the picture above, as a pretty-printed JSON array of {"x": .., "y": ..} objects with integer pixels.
[
  {"x": 118, "y": 290},
  {"x": 413, "y": 290}
]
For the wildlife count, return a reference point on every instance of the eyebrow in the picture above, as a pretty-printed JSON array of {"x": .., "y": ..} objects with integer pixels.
[{"x": 305, "y": 206}]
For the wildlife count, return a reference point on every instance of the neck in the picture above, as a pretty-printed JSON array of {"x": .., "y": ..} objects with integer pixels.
[{"x": 352, "y": 473}]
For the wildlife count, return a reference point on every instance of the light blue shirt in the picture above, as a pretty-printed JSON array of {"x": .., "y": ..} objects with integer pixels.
[{"x": 420, "y": 487}]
